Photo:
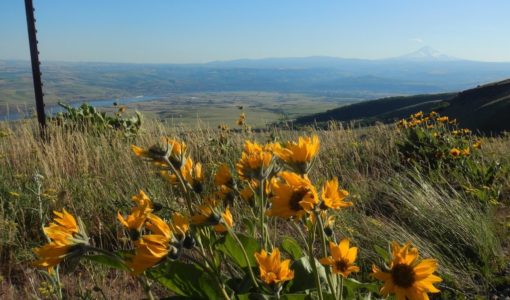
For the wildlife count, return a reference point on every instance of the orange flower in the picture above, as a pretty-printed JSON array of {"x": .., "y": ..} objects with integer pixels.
[
  {"x": 332, "y": 197},
  {"x": 455, "y": 152},
  {"x": 228, "y": 222},
  {"x": 223, "y": 176},
  {"x": 293, "y": 196},
  {"x": 408, "y": 277},
  {"x": 254, "y": 162},
  {"x": 152, "y": 248},
  {"x": 299, "y": 156},
  {"x": 64, "y": 235},
  {"x": 138, "y": 215},
  {"x": 342, "y": 258},
  {"x": 272, "y": 269}
]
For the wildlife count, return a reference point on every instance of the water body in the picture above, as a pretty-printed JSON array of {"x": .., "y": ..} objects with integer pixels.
[{"x": 52, "y": 109}]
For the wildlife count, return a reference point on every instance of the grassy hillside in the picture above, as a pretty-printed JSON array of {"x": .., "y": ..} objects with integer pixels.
[
  {"x": 484, "y": 108},
  {"x": 94, "y": 176},
  {"x": 379, "y": 109}
]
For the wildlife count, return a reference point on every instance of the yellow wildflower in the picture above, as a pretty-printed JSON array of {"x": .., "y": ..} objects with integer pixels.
[
  {"x": 418, "y": 115},
  {"x": 223, "y": 176},
  {"x": 455, "y": 152},
  {"x": 180, "y": 224},
  {"x": 272, "y": 269},
  {"x": 332, "y": 197},
  {"x": 408, "y": 277},
  {"x": 293, "y": 196},
  {"x": 152, "y": 248},
  {"x": 242, "y": 119},
  {"x": 442, "y": 119},
  {"x": 136, "y": 219},
  {"x": 64, "y": 235},
  {"x": 228, "y": 221},
  {"x": 300, "y": 155},
  {"x": 342, "y": 258},
  {"x": 254, "y": 162}
]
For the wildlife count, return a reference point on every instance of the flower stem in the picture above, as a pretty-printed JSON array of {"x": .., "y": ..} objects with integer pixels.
[
  {"x": 341, "y": 291},
  {"x": 325, "y": 254},
  {"x": 183, "y": 185},
  {"x": 263, "y": 232},
  {"x": 147, "y": 287},
  {"x": 311, "y": 238},
  {"x": 252, "y": 276}
]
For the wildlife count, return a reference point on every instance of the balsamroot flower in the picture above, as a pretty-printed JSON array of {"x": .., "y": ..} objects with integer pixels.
[
  {"x": 477, "y": 144},
  {"x": 242, "y": 119},
  {"x": 208, "y": 216},
  {"x": 172, "y": 151},
  {"x": 180, "y": 225},
  {"x": 190, "y": 173},
  {"x": 193, "y": 175},
  {"x": 455, "y": 152},
  {"x": 465, "y": 152},
  {"x": 136, "y": 219},
  {"x": 342, "y": 258},
  {"x": 227, "y": 222},
  {"x": 444, "y": 119},
  {"x": 152, "y": 248},
  {"x": 223, "y": 176},
  {"x": 332, "y": 197},
  {"x": 299, "y": 156},
  {"x": 65, "y": 236},
  {"x": 272, "y": 269},
  {"x": 292, "y": 196},
  {"x": 408, "y": 277},
  {"x": 255, "y": 162}
]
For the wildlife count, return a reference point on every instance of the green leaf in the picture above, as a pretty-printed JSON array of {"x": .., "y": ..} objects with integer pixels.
[
  {"x": 296, "y": 297},
  {"x": 107, "y": 261},
  {"x": 185, "y": 280},
  {"x": 250, "y": 226},
  {"x": 253, "y": 296},
  {"x": 291, "y": 246},
  {"x": 303, "y": 275},
  {"x": 353, "y": 286},
  {"x": 383, "y": 253},
  {"x": 231, "y": 248}
]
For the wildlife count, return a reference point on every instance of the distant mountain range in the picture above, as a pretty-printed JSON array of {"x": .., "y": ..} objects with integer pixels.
[
  {"x": 485, "y": 108},
  {"x": 423, "y": 71}
]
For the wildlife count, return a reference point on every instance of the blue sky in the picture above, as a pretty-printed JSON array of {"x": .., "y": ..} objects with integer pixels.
[{"x": 181, "y": 31}]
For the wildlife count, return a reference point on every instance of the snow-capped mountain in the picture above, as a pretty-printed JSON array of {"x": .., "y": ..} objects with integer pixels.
[{"x": 425, "y": 54}]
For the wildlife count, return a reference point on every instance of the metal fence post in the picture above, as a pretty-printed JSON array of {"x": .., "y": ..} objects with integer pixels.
[{"x": 36, "y": 71}]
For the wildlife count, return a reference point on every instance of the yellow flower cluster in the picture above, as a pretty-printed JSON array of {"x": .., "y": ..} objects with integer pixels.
[
  {"x": 274, "y": 180},
  {"x": 429, "y": 121}
]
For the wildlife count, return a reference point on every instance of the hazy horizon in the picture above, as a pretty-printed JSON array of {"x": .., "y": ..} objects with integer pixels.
[{"x": 165, "y": 32}]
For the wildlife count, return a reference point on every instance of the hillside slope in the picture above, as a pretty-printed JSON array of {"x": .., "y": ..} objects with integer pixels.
[{"x": 485, "y": 108}]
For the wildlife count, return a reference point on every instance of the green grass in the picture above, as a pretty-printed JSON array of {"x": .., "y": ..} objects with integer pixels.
[{"x": 94, "y": 176}]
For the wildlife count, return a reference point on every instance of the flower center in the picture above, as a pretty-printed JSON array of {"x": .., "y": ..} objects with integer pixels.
[
  {"x": 296, "y": 197},
  {"x": 341, "y": 265},
  {"x": 403, "y": 275}
]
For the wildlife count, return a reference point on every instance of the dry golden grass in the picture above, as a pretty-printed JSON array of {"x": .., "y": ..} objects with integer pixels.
[{"x": 95, "y": 175}]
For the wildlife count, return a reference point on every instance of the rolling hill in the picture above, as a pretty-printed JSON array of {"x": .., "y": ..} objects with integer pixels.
[{"x": 485, "y": 108}]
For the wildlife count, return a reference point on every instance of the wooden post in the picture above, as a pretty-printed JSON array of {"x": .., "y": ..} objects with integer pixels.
[{"x": 36, "y": 71}]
